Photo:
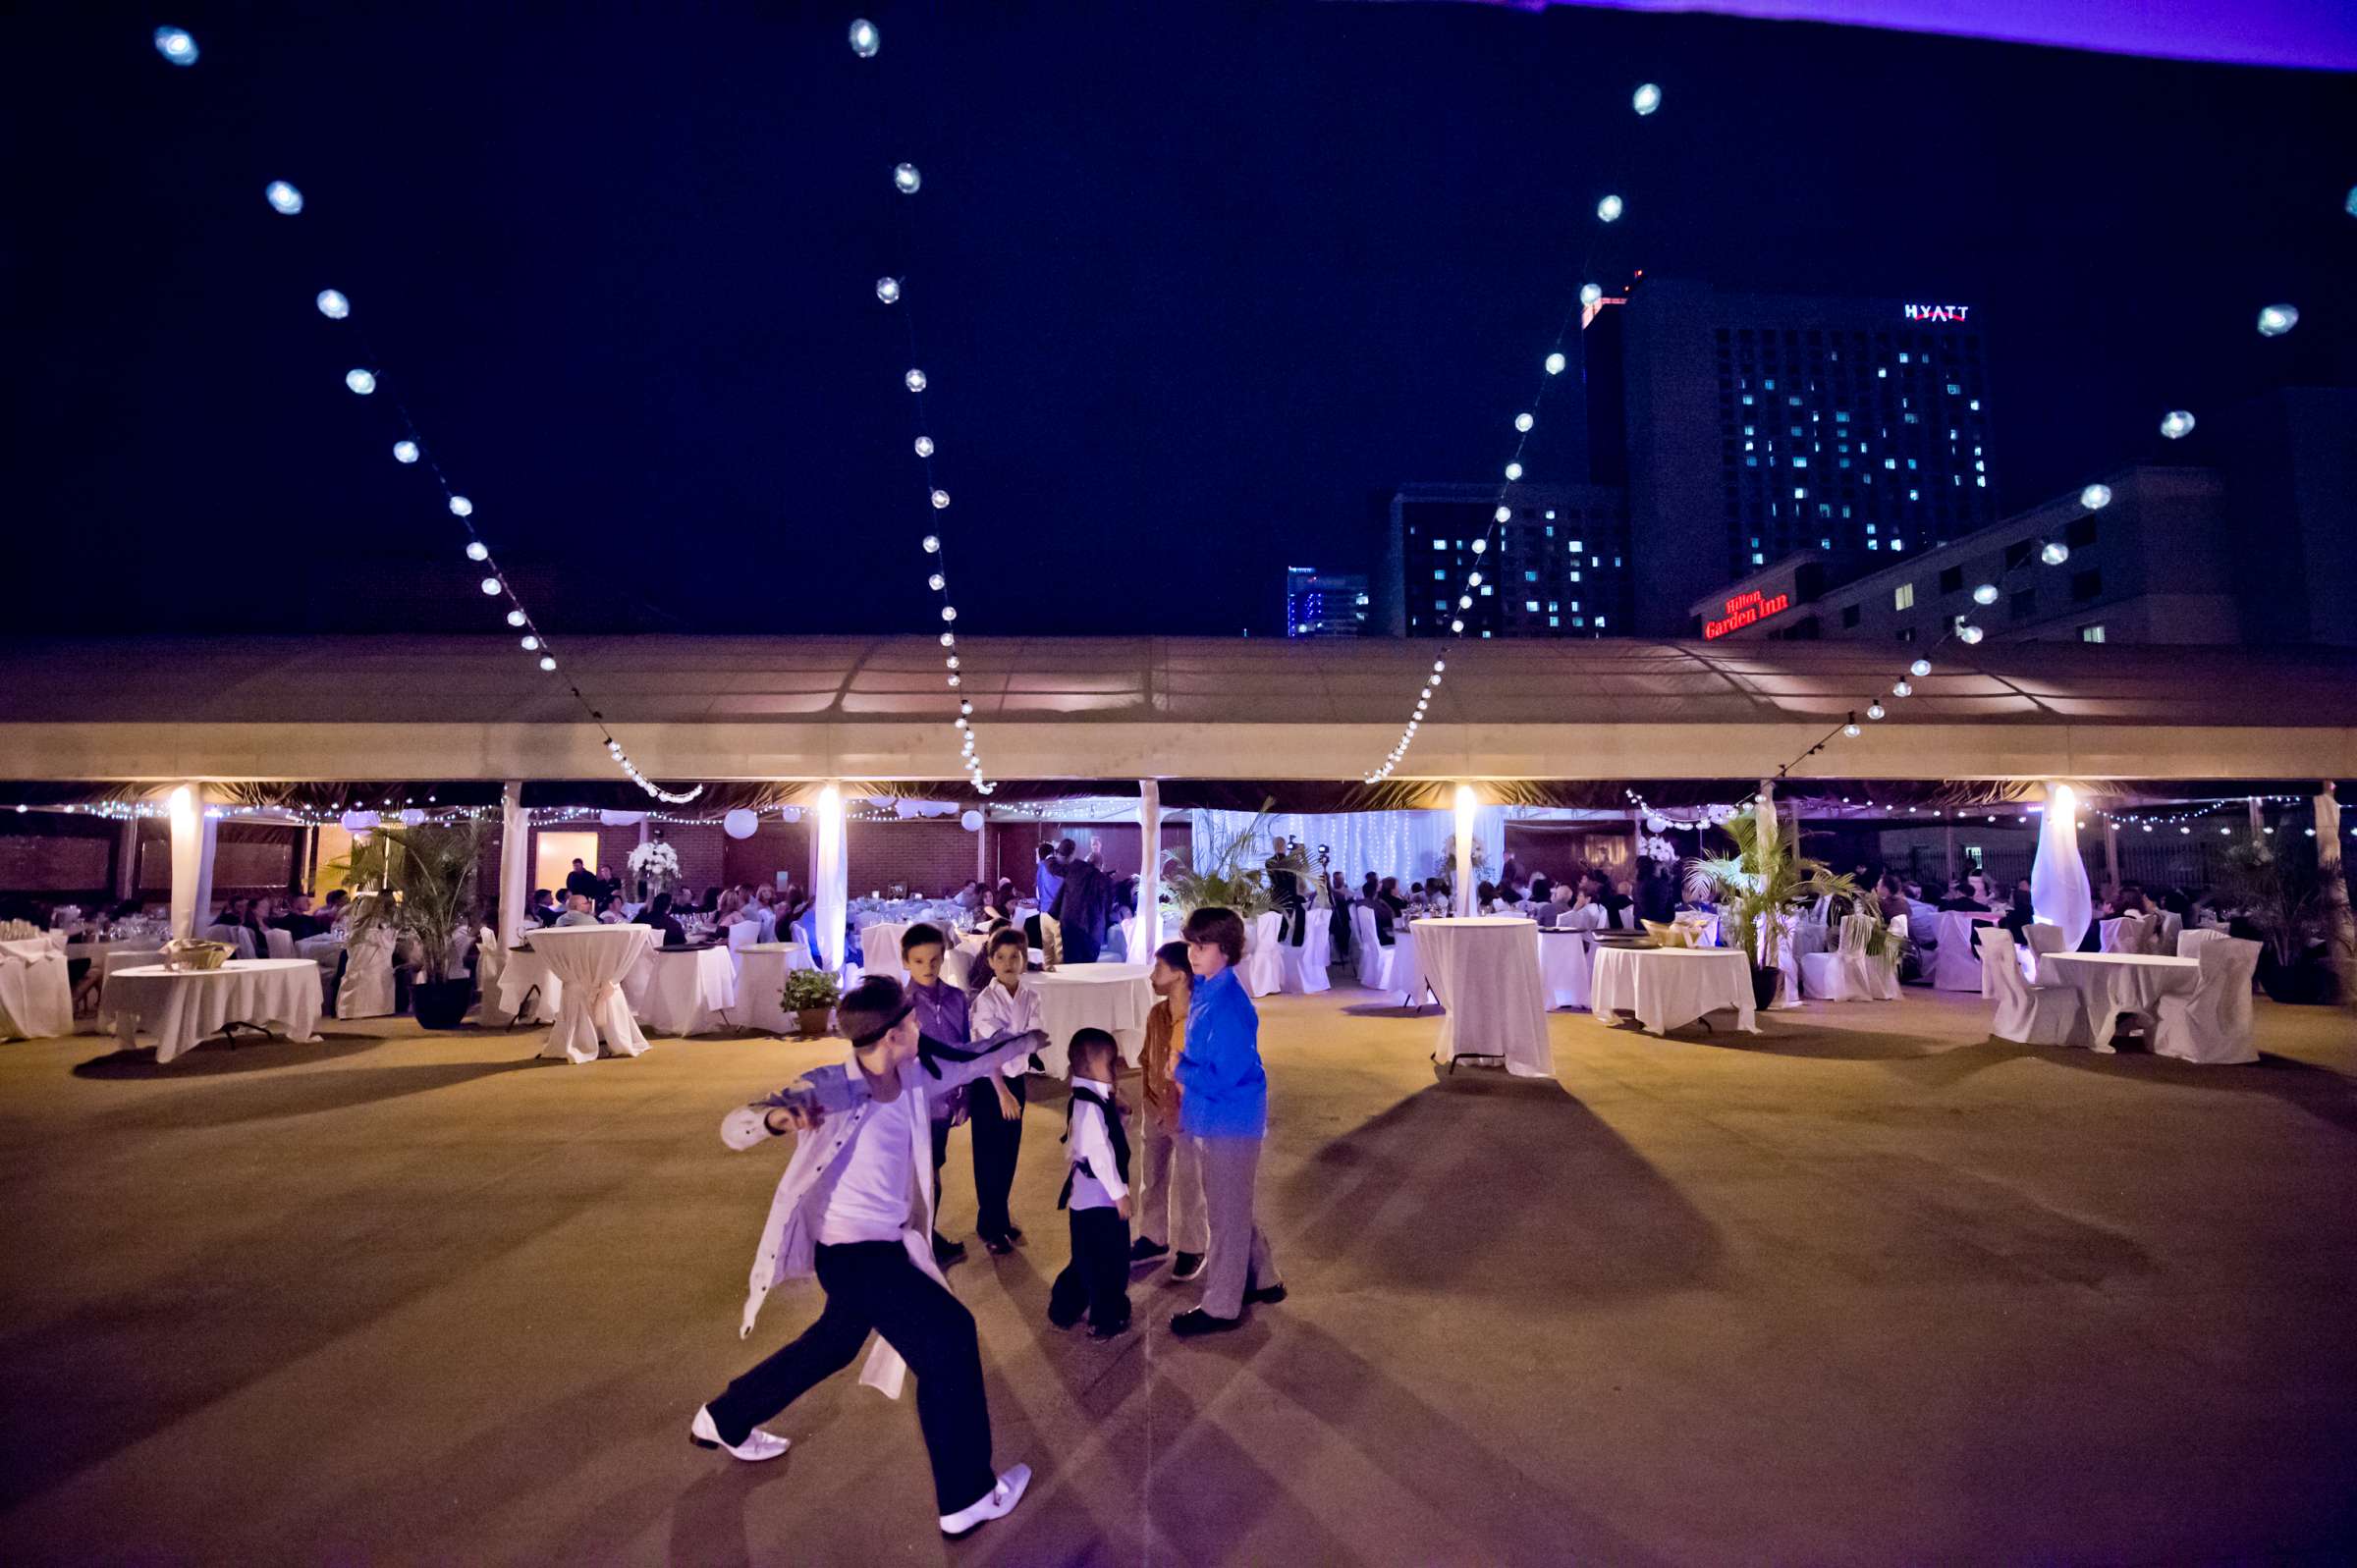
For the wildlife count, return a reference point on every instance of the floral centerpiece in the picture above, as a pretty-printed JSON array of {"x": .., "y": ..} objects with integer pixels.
[{"x": 657, "y": 865}]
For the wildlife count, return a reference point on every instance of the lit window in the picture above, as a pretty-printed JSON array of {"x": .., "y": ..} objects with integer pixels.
[
  {"x": 1599, "y": 621},
  {"x": 1954, "y": 389},
  {"x": 1874, "y": 544},
  {"x": 1902, "y": 597},
  {"x": 1530, "y": 577},
  {"x": 1800, "y": 463},
  {"x": 1914, "y": 495},
  {"x": 1747, "y": 400},
  {"x": 1982, "y": 482},
  {"x": 1575, "y": 576},
  {"x": 1573, "y": 547},
  {"x": 1440, "y": 574},
  {"x": 2091, "y": 633},
  {"x": 1976, "y": 406},
  {"x": 1440, "y": 544},
  {"x": 1758, "y": 560},
  {"x": 1898, "y": 544},
  {"x": 1769, "y": 383},
  {"x": 1881, "y": 373},
  {"x": 1825, "y": 544},
  {"x": 1902, "y": 359},
  {"x": 1487, "y": 590},
  {"x": 1800, "y": 493},
  {"x": 1554, "y": 621},
  {"x": 1440, "y": 604},
  {"x": 1530, "y": 605},
  {"x": 1890, "y": 463},
  {"x": 1870, "y": 528}
]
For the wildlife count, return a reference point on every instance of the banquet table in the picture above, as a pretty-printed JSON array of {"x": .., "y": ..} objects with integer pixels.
[
  {"x": 1566, "y": 965},
  {"x": 1113, "y": 997},
  {"x": 37, "y": 1000},
  {"x": 682, "y": 992},
  {"x": 761, "y": 983},
  {"x": 182, "y": 1006},
  {"x": 587, "y": 962},
  {"x": 2109, "y": 983},
  {"x": 1669, "y": 986},
  {"x": 1486, "y": 971}
]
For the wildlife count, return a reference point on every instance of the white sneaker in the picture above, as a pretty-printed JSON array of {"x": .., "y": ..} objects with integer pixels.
[
  {"x": 996, "y": 1503},
  {"x": 758, "y": 1445}
]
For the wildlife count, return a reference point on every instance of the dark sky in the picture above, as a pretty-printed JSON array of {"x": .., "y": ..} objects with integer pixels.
[{"x": 1193, "y": 280}]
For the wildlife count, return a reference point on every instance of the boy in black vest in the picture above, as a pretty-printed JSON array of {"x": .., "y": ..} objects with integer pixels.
[{"x": 1097, "y": 1192}]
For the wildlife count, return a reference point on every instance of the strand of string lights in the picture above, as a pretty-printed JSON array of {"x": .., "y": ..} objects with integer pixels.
[
  {"x": 892, "y": 291},
  {"x": 366, "y": 380},
  {"x": 1608, "y": 208}
]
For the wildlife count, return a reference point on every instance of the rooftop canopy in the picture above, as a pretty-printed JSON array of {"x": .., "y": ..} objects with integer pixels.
[{"x": 1062, "y": 712}]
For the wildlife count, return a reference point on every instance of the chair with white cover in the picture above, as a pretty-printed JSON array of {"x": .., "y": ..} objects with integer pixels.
[
  {"x": 1374, "y": 960},
  {"x": 2212, "y": 1025},
  {"x": 236, "y": 937},
  {"x": 2042, "y": 939},
  {"x": 1303, "y": 969},
  {"x": 1849, "y": 973},
  {"x": 367, "y": 987},
  {"x": 36, "y": 1000},
  {"x": 492, "y": 962},
  {"x": 280, "y": 941},
  {"x": 1955, "y": 962},
  {"x": 742, "y": 935},
  {"x": 2027, "y": 1014},
  {"x": 2123, "y": 934},
  {"x": 1264, "y": 964},
  {"x": 2191, "y": 942},
  {"x": 2173, "y": 926},
  {"x": 1587, "y": 917}
]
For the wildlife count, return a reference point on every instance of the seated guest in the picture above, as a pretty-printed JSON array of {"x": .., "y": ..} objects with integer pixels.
[
  {"x": 1600, "y": 891},
  {"x": 1383, "y": 922},
  {"x": 1389, "y": 891},
  {"x": 1540, "y": 890},
  {"x": 731, "y": 910},
  {"x": 2130, "y": 900},
  {"x": 2021, "y": 916},
  {"x": 1370, "y": 890},
  {"x": 1960, "y": 897},
  {"x": 582, "y": 880},
  {"x": 1486, "y": 900},
  {"x": 579, "y": 912},
  {"x": 298, "y": 921},
  {"x": 543, "y": 910},
  {"x": 657, "y": 914},
  {"x": 332, "y": 912},
  {"x": 1656, "y": 894}
]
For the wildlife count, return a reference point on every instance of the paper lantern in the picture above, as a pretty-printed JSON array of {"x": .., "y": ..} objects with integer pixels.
[
  {"x": 622, "y": 819},
  {"x": 971, "y": 822},
  {"x": 740, "y": 824}
]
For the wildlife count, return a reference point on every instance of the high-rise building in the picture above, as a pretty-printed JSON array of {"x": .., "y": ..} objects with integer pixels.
[
  {"x": 1757, "y": 425},
  {"x": 1325, "y": 604},
  {"x": 1558, "y": 565}
]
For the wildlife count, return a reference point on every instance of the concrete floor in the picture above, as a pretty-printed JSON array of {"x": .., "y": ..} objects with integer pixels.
[{"x": 1863, "y": 1289}]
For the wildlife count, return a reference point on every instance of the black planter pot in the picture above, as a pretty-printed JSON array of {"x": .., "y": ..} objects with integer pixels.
[
  {"x": 441, "y": 1004},
  {"x": 1764, "y": 984},
  {"x": 2308, "y": 983}
]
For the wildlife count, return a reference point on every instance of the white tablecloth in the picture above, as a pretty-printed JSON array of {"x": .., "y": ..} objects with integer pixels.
[
  {"x": 182, "y": 1008},
  {"x": 761, "y": 981},
  {"x": 2109, "y": 983},
  {"x": 588, "y": 962},
  {"x": 1566, "y": 966},
  {"x": 524, "y": 978},
  {"x": 1669, "y": 987},
  {"x": 37, "y": 1000},
  {"x": 1485, "y": 969},
  {"x": 1408, "y": 966},
  {"x": 682, "y": 993},
  {"x": 1956, "y": 967},
  {"x": 1113, "y": 997}
]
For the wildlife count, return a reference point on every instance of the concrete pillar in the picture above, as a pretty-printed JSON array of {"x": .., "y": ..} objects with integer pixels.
[
  {"x": 515, "y": 862},
  {"x": 1467, "y": 810},
  {"x": 829, "y": 880},
  {"x": 1149, "y": 866},
  {"x": 127, "y": 859},
  {"x": 2058, "y": 876}
]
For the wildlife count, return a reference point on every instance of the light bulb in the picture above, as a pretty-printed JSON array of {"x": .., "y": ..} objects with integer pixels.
[
  {"x": 1590, "y": 293},
  {"x": 966, "y": 706},
  {"x": 1482, "y": 546},
  {"x": 1523, "y": 423},
  {"x": 1513, "y": 472},
  {"x": 2095, "y": 498},
  {"x": 1875, "y": 710},
  {"x": 1920, "y": 668},
  {"x": 461, "y": 506},
  {"x": 2054, "y": 553},
  {"x": 175, "y": 45},
  {"x": 959, "y": 722},
  {"x": 916, "y": 380},
  {"x": 490, "y": 585},
  {"x": 2277, "y": 320},
  {"x": 332, "y": 304},
  {"x": 1439, "y": 664},
  {"x": 1502, "y": 515},
  {"x": 1609, "y": 209},
  {"x": 907, "y": 179},
  {"x": 531, "y": 645},
  {"x": 1473, "y": 578},
  {"x": 951, "y": 661},
  {"x": 547, "y": 663},
  {"x": 1985, "y": 594},
  {"x": 2176, "y": 424},
  {"x": 1969, "y": 635},
  {"x": 1456, "y": 625},
  {"x": 865, "y": 38},
  {"x": 1902, "y": 689},
  {"x": 360, "y": 381},
  {"x": 1555, "y": 364},
  {"x": 1646, "y": 98},
  {"x": 476, "y": 550},
  {"x": 949, "y": 612},
  {"x": 937, "y": 582},
  {"x": 954, "y": 680},
  {"x": 941, "y": 499},
  {"x": 932, "y": 543},
  {"x": 1464, "y": 601},
  {"x": 517, "y": 617},
  {"x": 1850, "y": 730},
  {"x": 283, "y": 198},
  {"x": 405, "y": 452},
  {"x": 888, "y": 290},
  {"x": 924, "y": 445}
]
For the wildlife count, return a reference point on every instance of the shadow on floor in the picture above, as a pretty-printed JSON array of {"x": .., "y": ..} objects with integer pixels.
[
  {"x": 311, "y": 1093},
  {"x": 215, "y": 1057}
]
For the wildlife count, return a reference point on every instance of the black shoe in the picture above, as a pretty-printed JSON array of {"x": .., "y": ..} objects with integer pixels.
[
  {"x": 1265, "y": 1298},
  {"x": 1067, "y": 1325},
  {"x": 1143, "y": 1251},
  {"x": 946, "y": 1253},
  {"x": 1187, "y": 1266},
  {"x": 1014, "y": 1233},
  {"x": 997, "y": 1246},
  {"x": 1112, "y": 1332},
  {"x": 1195, "y": 1321}
]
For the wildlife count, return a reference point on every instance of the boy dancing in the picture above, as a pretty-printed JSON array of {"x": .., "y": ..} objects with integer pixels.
[
  {"x": 1097, "y": 1191},
  {"x": 844, "y": 1212}
]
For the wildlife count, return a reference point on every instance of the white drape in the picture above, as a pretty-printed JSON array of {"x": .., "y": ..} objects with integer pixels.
[
  {"x": 2058, "y": 888},
  {"x": 185, "y": 809},
  {"x": 830, "y": 880},
  {"x": 1407, "y": 845},
  {"x": 1149, "y": 869},
  {"x": 514, "y": 863}
]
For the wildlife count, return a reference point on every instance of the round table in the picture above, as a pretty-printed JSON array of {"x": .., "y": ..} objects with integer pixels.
[
  {"x": 1112, "y": 997},
  {"x": 679, "y": 992},
  {"x": 181, "y": 1006},
  {"x": 1485, "y": 969},
  {"x": 1669, "y": 987},
  {"x": 1566, "y": 964},
  {"x": 761, "y": 983},
  {"x": 2109, "y": 983},
  {"x": 588, "y": 962}
]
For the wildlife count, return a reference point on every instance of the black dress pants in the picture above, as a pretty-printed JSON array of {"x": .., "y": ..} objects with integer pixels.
[
  {"x": 872, "y": 1285},
  {"x": 1097, "y": 1279},
  {"x": 998, "y": 1141}
]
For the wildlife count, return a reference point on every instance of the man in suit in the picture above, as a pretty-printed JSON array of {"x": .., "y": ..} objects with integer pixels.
[
  {"x": 583, "y": 881},
  {"x": 1083, "y": 903}
]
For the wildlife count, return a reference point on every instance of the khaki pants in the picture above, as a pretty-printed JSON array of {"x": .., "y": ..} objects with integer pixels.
[
  {"x": 1239, "y": 1250},
  {"x": 1169, "y": 1190}
]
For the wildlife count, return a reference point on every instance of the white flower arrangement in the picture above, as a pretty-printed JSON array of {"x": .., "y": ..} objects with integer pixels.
[{"x": 656, "y": 861}]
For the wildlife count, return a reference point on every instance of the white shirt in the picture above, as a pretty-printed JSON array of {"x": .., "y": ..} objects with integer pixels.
[
  {"x": 1100, "y": 1186},
  {"x": 995, "y": 1010},
  {"x": 866, "y": 1194}
]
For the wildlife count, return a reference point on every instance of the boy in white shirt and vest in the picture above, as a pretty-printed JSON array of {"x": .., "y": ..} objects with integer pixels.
[
  {"x": 1097, "y": 1190},
  {"x": 855, "y": 1210}
]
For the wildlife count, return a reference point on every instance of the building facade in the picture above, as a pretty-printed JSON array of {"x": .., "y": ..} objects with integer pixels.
[
  {"x": 1557, "y": 566},
  {"x": 1325, "y": 604},
  {"x": 1758, "y": 426}
]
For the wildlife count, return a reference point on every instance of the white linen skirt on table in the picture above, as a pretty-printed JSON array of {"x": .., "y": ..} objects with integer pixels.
[
  {"x": 36, "y": 1000},
  {"x": 181, "y": 1009}
]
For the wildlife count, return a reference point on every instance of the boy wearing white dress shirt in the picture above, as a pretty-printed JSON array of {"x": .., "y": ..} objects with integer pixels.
[
  {"x": 1005, "y": 1005},
  {"x": 1097, "y": 1191}
]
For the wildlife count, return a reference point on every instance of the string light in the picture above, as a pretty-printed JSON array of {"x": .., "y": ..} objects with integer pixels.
[
  {"x": 914, "y": 380},
  {"x": 865, "y": 41},
  {"x": 2095, "y": 498},
  {"x": 1646, "y": 99},
  {"x": 2277, "y": 320},
  {"x": 1609, "y": 210},
  {"x": 907, "y": 180},
  {"x": 176, "y": 45},
  {"x": 1555, "y": 362},
  {"x": 405, "y": 452},
  {"x": 283, "y": 198},
  {"x": 2176, "y": 424},
  {"x": 363, "y": 382},
  {"x": 888, "y": 290},
  {"x": 332, "y": 304}
]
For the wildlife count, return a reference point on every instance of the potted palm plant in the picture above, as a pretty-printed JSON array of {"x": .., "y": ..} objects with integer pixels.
[
  {"x": 1764, "y": 880},
  {"x": 1228, "y": 878},
  {"x": 809, "y": 995},
  {"x": 418, "y": 882},
  {"x": 2281, "y": 893}
]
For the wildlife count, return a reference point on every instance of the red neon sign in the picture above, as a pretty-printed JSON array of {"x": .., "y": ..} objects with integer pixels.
[{"x": 1744, "y": 610}]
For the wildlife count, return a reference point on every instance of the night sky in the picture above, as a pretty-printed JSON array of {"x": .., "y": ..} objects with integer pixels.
[{"x": 1193, "y": 283}]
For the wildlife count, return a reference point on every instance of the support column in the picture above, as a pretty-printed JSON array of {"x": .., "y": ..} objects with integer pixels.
[
  {"x": 1951, "y": 860},
  {"x": 515, "y": 862},
  {"x": 829, "y": 880},
  {"x": 127, "y": 859},
  {"x": 2340, "y": 927},
  {"x": 1149, "y": 867},
  {"x": 2058, "y": 878},
  {"x": 1764, "y": 813},
  {"x": 1468, "y": 809},
  {"x": 2258, "y": 821},
  {"x": 193, "y": 838},
  {"x": 2111, "y": 852},
  {"x": 1636, "y": 846},
  {"x": 982, "y": 853}
]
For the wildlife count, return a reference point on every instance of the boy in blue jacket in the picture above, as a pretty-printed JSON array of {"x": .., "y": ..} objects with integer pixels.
[{"x": 1224, "y": 1112}]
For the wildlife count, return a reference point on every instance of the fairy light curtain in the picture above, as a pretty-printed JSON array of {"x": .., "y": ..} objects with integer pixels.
[{"x": 1408, "y": 845}]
